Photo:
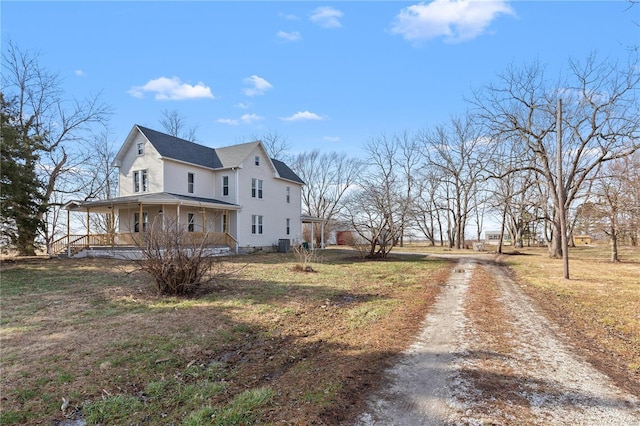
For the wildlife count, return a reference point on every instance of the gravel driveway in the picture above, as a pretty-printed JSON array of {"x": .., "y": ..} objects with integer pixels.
[{"x": 442, "y": 378}]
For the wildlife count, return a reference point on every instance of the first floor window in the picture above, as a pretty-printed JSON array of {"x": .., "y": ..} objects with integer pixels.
[
  {"x": 225, "y": 186},
  {"x": 136, "y": 222},
  {"x": 224, "y": 223},
  {"x": 191, "y": 180},
  {"x": 140, "y": 181},
  {"x": 191, "y": 222},
  {"x": 256, "y": 224},
  {"x": 288, "y": 226}
]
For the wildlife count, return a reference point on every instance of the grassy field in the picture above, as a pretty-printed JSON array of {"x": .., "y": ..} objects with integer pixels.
[
  {"x": 265, "y": 344},
  {"x": 598, "y": 307}
]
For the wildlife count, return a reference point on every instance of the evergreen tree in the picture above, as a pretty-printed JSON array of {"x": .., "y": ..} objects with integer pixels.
[{"x": 21, "y": 201}]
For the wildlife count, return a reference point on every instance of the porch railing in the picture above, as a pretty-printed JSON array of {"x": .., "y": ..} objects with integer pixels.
[{"x": 76, "y": 243}]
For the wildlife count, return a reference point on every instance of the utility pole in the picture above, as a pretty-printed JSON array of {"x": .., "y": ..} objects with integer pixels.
[{"x": 560, "y": 190}]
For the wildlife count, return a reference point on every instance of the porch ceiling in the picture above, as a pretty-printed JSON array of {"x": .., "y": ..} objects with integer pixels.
[{"x": 161, "y": 198}]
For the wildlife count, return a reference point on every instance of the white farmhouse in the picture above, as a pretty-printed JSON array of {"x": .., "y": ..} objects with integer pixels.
[{"x": 235, "y": 196}]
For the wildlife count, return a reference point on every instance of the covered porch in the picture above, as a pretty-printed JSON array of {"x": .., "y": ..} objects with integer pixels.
[{"x": 122, "y": 222}]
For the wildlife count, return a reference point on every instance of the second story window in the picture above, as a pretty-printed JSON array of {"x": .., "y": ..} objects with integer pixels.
[
  {"x": 225, "y": 186},
  {"x": 140, "y": 148},
  {"x": 191, "y": 180},
  {"x": 288, "y": 194},
  {"x": 140, "y": 181},
  {"x": 256, "y": 188}
]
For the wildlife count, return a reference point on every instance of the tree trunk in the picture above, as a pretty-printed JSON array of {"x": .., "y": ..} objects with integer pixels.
[
  {"x": 555, "y": 245},
  {"x": 614, "y": 247}
]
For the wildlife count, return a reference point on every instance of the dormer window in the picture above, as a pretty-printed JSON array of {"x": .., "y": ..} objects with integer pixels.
[
  {"x": 257, "y": 160},
  {"x": 140, "y": 148}
]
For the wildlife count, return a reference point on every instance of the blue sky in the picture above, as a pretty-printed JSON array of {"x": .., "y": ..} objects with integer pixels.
[{"x": 327, "y": 75}]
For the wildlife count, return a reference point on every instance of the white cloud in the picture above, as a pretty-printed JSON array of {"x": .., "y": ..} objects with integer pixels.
[
  {"x": 229, "y": 121},
  {"x": 303, "y": 115},
  {"x": 332, "y": 138},
  {"x": 455, "y": 20},
  {"x": 258, "y": 86},
  {"x": 289, "y": 16},
  {"x": 250, "y": 118},
  {"x": 242, "y": 105},
  {"x": 171, "y": 89},
  {"x": 327, "y": 17},
  {"x": 292, "y": 36},
  {"x": 80, "y": 73}
]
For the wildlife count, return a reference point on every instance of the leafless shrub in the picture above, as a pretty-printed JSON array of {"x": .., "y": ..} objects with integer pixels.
[
  {"x": 305, "y": 256},
  {"x": 178, "y": 261}
]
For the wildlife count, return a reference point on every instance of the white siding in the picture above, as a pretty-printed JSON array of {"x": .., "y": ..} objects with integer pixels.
[
  {"x": 131, "y": 162},
  {"x": 176, "y": 175},
  {"x": 273, "y": 206}
]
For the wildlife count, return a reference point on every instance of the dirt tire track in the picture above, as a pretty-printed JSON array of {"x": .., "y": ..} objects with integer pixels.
[{"x": 431, "y": 385}]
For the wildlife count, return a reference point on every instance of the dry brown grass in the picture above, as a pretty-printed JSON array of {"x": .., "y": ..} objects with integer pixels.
[
  {"x": 598, "y": 307},
  {"x": 266, "y": 344}
]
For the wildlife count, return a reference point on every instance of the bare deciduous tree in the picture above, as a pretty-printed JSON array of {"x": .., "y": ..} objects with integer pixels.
[
  {"x": 601, "y": 122},
  {"x": 327, "y": 177},
  {"x": 378, "y": 209},
  {"x": 460, "y": 154},
  {"x": 63, "y": 127},
  {"x": 175, "y": 124}
]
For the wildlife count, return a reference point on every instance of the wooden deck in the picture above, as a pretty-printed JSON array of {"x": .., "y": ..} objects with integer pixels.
[{"x": 74, "y": 244}]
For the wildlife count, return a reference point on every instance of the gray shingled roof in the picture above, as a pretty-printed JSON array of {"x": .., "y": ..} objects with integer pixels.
[
  {"x": 230, "y": 156},
  {"x": 285, "y": 172},
  {"x": 179, "y": 149}
]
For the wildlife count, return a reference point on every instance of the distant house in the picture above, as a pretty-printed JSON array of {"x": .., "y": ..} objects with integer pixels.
[
  {"x": 236, "y": 195},
  {"x": 493, "y": 237},
  {"x": 582, "y": 240}
]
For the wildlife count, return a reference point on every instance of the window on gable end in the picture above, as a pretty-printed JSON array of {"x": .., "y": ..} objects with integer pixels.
[
  {"x": 257, "y": 160},
  {"x": 225, "y": 186},
  {"x": 140, "y": 148},
  {"x": 140, "y": 181},
  {"x": 256, "y": 188}
]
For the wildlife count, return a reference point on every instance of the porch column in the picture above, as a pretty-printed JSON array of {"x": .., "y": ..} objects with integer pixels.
[
  {"x": 140, "y": 221},
  {"x": 163, "y": 215},
  {"x": 178, "y": 214},
  {"x": 204, "y": 220},
  {"x": 322, "y": 235},
  {"x": 313, "y": 226},
  {"x": 68, "y": 232},
  {"x": 88, "y": 229},
  {"x": 112, "y": 226}
]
